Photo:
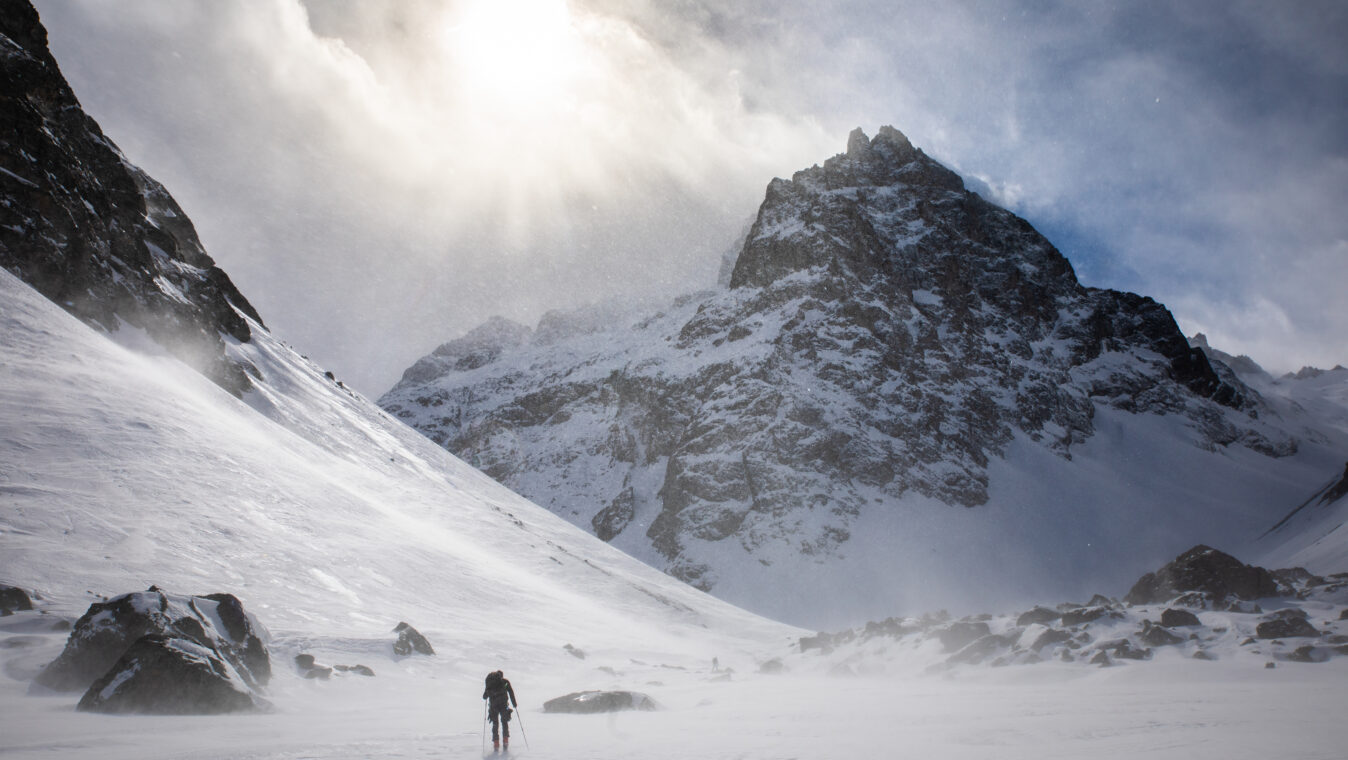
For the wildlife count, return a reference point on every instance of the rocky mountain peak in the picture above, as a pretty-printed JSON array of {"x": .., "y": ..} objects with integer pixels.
[
  {"x": 886, "y": 336},
  {"x": 95, "y": 234}
]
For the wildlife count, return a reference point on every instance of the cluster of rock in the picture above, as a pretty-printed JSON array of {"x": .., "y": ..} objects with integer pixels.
[
  {"x": 154, "y": 652},
  {"x": 885, "y": 332},
  {"x": 312, "y": 669},
  {"x": 1205, "y": 604},
  {"x": 94, "y": 233}
]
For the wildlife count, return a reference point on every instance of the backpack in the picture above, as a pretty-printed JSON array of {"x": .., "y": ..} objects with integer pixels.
[{"x": 495, "y": 683}]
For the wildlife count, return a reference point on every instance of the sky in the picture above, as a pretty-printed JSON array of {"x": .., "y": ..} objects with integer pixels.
[{"x": 378, "y": 178}]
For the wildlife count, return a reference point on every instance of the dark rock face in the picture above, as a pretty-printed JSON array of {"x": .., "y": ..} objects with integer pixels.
[
  {"x": 1203, "y": 568},
  {"x": 600, "y": 702},
  {"x": 94, "y": 233},
  {"x": 410, "y": 640},
  {"x": 171, "y": 675},
  {"x": 13, "y": 600},
  {"x": 886, "y": 333},
  {"x": 109, "y": 629}
]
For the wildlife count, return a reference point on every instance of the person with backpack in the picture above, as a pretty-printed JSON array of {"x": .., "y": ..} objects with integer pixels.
[{"x": 500, "y": 698}]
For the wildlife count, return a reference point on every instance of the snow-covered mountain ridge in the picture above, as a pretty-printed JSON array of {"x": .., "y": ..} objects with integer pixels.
[{"x": 889, "y": 344}]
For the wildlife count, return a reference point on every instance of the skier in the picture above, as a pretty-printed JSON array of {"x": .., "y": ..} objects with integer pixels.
[{"x": 497, "y": 693}]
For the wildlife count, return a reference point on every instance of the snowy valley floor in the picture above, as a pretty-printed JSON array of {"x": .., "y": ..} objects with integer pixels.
[{"x": 423, "y": 707}]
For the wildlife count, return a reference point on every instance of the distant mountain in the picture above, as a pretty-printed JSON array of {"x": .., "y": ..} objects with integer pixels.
[
  {"x": 94, "y": 233},
  {"x": 891, "y": 349}
]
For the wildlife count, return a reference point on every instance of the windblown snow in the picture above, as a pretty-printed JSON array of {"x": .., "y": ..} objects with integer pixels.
[{"x": 332, "y": 522}]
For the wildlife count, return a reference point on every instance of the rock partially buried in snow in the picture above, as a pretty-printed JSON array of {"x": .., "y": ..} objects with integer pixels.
[
  {"x": 600, "y": 702},
  {"x": 108, "y": 629},
  {"x": 1203, "y": 568},
  {"x": 169, "y": 675},
  {"x": 13, "y": 600},
  {"x": 410, "y": 640},
  {"x": 1173, "y": 618},
  {"x": 1285, "y": 624}
]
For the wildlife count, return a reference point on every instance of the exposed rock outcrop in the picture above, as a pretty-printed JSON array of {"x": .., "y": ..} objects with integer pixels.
[
  {"x": 95, "y": 234},
  {"x": 183, "y": 627},
  {"x": 1207, "y": 570},
  {"x": 410, "y": 640}
]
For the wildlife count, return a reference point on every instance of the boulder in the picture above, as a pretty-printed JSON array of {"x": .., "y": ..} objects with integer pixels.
[
  {"x": 410, "y": 640},
  {"x": 1157, "y": 636},
  {"x": 600, "y": 702},
  {"x": 13, "y": 600},
  {"x": 961, "y": 634},
  {"x": 108, "y": 629},
  {"x": 1173, "y": 618},
  {"x": 171, "y": 675},
  {"x": 983, "y": 648},
  {"x": 1038, "y": 615},
  {"x": 1050, "y": 637},
  {"x": 1283, "y": 624},
  {"x": 1082, "y": 615},
  {"x": 1308, "y": 653},
  {"x": 1203, "y": 568},
  {"x": 1343, "y": 614},
  {"x": 360, "y": 670}
]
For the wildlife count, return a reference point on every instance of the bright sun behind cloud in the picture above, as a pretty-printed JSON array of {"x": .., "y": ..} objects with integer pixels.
[{"x": 514, "y": 54}]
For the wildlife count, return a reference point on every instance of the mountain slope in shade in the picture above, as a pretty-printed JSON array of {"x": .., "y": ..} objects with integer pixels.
[
  {"x": 94, "y": 233},
  {"x": 891, "y": 350}
]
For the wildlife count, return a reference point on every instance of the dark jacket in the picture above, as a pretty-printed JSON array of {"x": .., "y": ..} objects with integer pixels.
[{"x": 498, "y": 691}]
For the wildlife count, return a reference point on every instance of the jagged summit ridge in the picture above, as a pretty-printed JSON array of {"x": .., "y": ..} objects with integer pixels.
[
  {"x": 94, "y": 233},
  {"x": 886, "y": 335}
]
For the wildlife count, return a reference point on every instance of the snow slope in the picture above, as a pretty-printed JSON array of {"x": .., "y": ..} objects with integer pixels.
[{"x": 331, "y": 522}]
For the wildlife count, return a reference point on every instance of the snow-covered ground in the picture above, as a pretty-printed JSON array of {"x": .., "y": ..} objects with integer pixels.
[{"x": 332, "y": 522}]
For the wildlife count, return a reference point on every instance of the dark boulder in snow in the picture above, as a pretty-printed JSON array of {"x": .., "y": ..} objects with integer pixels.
[
  {"x": 1283, "y": 624},
  {"x": 1203, "y": 568},
  {"x": 171, "y": 675},
  {"x": 410, "y": 640},
  {"x": 108, "y": 629},
  {"x": 1157, "y": 636},
  {"x": 1308, "y": 653},
  {"x": 1049, "y": 638},
  {"x": 960, "y": 634},
  {"x": 1083, "y": 615},
  {"x": 1172, "y": 618},
  {"x": 984, "y": 648},
  {"x": 600, "y": 702},
  {"x": 13, "y": 600}
]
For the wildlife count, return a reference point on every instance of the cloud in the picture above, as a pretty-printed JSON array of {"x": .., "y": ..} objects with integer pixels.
[{"x": 380, "y": 177}]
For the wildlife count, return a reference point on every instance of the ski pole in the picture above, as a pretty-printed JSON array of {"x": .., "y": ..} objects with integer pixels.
[
  {"x": 484, "y": 726},
  {"x": 523, "y": 733}
]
